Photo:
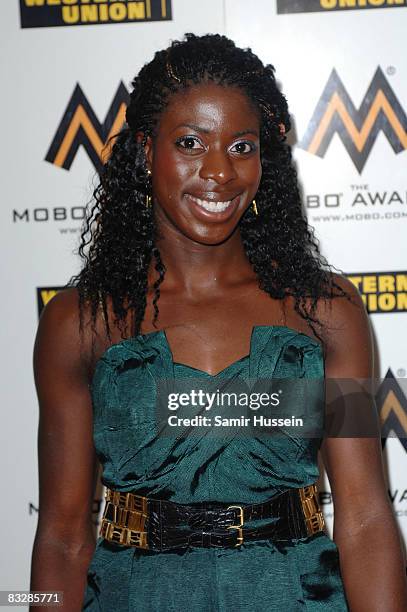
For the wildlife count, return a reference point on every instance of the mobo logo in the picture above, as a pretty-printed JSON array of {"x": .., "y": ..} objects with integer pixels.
[
  {"x": 80, "y": 126},
  {"x": 392, "y": 404},
  {"x": 335, "y": 113}
]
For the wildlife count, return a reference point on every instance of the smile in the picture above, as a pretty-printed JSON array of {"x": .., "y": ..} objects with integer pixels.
[{"x": 211, "y": 206}]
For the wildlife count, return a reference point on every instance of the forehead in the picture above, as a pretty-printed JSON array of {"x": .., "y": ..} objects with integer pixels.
[{"x": 212, "y": 107}]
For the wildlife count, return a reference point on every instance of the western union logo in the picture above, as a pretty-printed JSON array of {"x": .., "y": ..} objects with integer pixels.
[
  {"x": 314, "y": 6},
  {"x": 392, "y": 405},
  {"x": 382, "y": 291},
  {"x": 80, "y": 127},
  {"x": 335, "y": 113},
  {"x": 52, "y": 13}
]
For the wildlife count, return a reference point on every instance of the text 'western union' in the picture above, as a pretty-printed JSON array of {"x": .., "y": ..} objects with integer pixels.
[
  {"x": 382, "y": 292},
  {"x": 333, "y": 4},
  {"x": 94, "y": 11}
]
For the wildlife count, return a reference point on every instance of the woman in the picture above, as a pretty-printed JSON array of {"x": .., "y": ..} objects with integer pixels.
[{"x": 198, "y": 212}]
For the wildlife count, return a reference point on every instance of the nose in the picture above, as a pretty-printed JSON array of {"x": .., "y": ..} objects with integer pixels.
[{"x": 218, "y": 166}]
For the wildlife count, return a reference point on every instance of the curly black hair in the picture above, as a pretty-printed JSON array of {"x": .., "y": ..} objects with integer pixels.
[{"x": 118, "y": 241}]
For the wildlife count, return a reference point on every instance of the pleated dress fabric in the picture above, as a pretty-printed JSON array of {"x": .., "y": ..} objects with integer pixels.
[{"x": 258, "y": 576}]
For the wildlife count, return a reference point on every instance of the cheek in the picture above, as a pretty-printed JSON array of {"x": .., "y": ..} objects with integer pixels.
[
  {"x": 173, "y": 169},
  {"x": 183, "y": 170},
  {"x": 251, "y": 172}
]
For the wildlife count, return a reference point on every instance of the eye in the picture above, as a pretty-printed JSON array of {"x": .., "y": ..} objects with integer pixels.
[
  {"x": 243, "y": 147},
  {"x": 190, "y": 143}
]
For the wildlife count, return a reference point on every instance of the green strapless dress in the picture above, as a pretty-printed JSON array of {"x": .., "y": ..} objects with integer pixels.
[{"x": 302, "y": 575}]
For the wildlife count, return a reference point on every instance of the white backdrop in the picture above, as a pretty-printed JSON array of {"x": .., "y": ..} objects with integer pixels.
[
  {"x": 356, "y": 235},
  {"x": 42, "y": 202},
  {"x": 43, "y": 67}
]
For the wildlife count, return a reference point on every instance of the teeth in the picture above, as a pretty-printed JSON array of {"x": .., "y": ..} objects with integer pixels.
[{"x": 211, "y": 206}]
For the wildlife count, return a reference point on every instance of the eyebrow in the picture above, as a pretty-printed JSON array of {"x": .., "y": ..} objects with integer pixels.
[
  {"x": 197, "y": 128},
  {"x": 249, "y": 131}
]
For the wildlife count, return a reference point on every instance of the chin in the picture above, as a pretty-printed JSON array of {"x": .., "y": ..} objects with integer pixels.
[{"x": 211, "y": 237}]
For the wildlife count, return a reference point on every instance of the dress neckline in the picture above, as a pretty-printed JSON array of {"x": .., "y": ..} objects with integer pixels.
[
  {"x": 226, "y": 368},
  {"x": 256, "y": 331}
]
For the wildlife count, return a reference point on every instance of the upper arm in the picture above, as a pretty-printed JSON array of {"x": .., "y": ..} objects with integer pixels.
[
  {"x": 354, "y": 465},
  {"x": 67, "y": 460}
]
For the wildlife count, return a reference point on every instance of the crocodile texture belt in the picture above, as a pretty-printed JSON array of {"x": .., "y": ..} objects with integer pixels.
[{"x": 158, "y": 525}]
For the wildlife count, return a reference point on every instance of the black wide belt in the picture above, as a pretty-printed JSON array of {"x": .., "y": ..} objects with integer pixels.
[{"x": 155, "y": 524}]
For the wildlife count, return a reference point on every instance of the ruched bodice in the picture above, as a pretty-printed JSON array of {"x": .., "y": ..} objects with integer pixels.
[{"x": 205, "y": 466}]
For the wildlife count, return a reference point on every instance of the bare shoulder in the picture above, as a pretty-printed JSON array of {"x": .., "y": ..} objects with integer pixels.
[
  {"x": 347, "y": 330},
  {"x": 343, "y": 310},
  {"x": 60, "y": 316},
  {"x": 58, "y": 335},
  {"x": 63, "y": 308}
]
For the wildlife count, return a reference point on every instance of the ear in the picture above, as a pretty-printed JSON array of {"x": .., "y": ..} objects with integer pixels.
[{"x": 148, "y": 148}]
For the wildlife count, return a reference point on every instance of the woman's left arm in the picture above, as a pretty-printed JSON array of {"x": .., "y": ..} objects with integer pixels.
[{"x": 365, "y": 530}]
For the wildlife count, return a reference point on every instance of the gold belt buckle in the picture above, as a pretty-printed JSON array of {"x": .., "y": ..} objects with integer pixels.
[
  {"x": 127, "y": 526},
  {"x": 238, "y": 527},
  {"x": 314, "y": 518}
]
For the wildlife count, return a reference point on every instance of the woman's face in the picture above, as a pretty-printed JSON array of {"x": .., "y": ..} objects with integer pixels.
[{"x": 205, "y": 162}]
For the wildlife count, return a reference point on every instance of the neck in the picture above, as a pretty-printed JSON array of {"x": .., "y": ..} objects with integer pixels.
[{"x": 196, "y": 269}]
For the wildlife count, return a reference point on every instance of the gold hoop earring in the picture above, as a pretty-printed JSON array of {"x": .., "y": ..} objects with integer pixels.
[
  {"x": 148, "y": 197},
  {"x": 254, "y": 207}
]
